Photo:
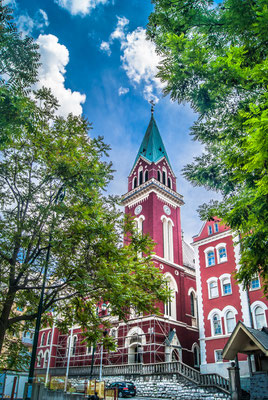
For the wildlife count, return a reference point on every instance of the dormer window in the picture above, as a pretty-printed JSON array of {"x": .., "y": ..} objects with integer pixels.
[
  {"x": 210, "y": 230},
  {"x": 216, "y": 227}
]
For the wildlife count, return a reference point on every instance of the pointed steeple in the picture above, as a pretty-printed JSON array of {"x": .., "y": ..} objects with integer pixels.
[{"x": 152, "y": 147}]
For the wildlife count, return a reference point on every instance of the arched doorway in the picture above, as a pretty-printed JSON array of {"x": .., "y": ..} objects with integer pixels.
[
  {"x": 135, "y": 341},
  {"x": 135, "y": 354}
]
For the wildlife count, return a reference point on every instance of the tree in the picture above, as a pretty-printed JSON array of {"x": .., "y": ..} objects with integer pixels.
[
  {"x": 52, "y": 179},
  {"x": 215, "y": 58},
  {"x": 19, "y": 61}
]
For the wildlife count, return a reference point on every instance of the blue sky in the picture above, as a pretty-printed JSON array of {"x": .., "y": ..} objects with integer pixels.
[{"x": 97, "y": 62}]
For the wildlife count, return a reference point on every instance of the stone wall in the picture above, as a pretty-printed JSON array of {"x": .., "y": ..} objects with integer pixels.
[
  {"x": 175, "y": 388},
  {"x": 259, "y": 386}
]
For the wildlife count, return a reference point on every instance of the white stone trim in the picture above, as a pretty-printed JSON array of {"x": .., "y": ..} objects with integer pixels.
[
  {"x": 221, "y": 278},
  {"x": 218, "y": 247},
  {"x": 201, "y": 324},
  {"x": 243, "y": 294},
  {"x": 206, "y": 251},
  {"x": 211, "y": 238},
  {"x": 253, "y": 307}
]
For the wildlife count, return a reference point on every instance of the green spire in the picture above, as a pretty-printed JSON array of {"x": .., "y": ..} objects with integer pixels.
[{"x": 152, "y": 147}]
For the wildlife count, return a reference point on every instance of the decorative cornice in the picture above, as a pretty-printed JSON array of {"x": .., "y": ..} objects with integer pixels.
[
  {"x": 211, "y": 238},
  {"x": 168, "y": 195}
]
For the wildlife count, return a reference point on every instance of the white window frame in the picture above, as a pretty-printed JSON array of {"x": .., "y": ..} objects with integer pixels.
[
  {"x": 164, "y": 171},
  {"x": 216, "y": 227},
  {"x": 160, "y": 174},
  {"x": 89, "y": 350},
  {"x": 255, "y": 278},
  {"x": 225, "y": 311},
  {"x": 139, "y": 223},
  {"x": 46, "y": 358},
  {"x": 42, "y": 341},
  {"x": 209, "y": 281},
  {"x": 133, "y": 180},
  {"x": 171, "y": 306},
  {"x": 195, "y": 346},
  {"x": 210, "y": 318},
  {"x": 168, "y": 245},
  {"x": 218, "y": 247},
  {"x": 49, "y": 335},
  {"x": 192, "y": 291},
  {"x": 39, "y": 358},
  {"x": 210, "y": 230},
  {"x": 171, "y": 185},
  {"x": 222, "y": 278},
  {"x": 253, "y": 309},
  {"x": 146, "y": 170},
  {"x": 74, "y": 340},
  {"x": 206, "y": 251},
  {"x": 138, "y": 179},
  {"x": 215, "y": 356}
]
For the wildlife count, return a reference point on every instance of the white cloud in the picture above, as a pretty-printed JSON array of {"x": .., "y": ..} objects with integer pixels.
[
  {"x": 82, "y": 7},
  {"x": 26, "y": 24},
  {"x": 119, "y": 32},
  {"x": 105, "y": 46},
  {"x": 140, "y": 62},
  {"x": 122, "y": 91},
  {"x": 54, "y": 58},
  {"x": 10, "y": 3}
]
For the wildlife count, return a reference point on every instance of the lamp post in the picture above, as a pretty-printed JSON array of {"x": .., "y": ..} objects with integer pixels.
[{"x": 59, "y": 197}]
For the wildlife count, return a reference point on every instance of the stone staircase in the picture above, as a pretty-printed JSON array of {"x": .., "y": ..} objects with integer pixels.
[{"x": 178, "y": 388}]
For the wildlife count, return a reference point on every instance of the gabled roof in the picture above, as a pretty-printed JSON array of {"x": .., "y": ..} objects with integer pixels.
[
  {"x": 152, "y": 147},
  {"x": 246, "y": 340}
]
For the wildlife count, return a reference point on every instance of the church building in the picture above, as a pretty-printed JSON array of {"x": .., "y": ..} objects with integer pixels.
[{"x": 153, "y": 201}]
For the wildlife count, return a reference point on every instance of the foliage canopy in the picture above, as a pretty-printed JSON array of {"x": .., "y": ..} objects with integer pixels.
[{"x": 215, "y": 58}]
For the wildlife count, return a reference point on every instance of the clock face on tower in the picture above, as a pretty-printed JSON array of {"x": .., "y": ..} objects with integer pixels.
[
  {"x": 166, "y": 210},
  {"x": 138, "y": 209}
]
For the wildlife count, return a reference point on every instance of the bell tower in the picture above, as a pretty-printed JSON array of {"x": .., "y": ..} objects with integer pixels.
[{"x": 152, "y": 198}]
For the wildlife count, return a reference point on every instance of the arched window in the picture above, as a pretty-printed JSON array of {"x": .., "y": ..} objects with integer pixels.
[
  {"x": 217, "y": 330},
  {"x": 46, "y": 355},
  {"x": 140, "y": 177},
  {"x": 196, "y": 352},
  {"x": 230, "y": 321},
  {"x": 139, "y": 223},
  {"x": 49, "y": 338},
  {"x": 134, "y": 183},
  {"x": 39, "y": 358},
  {"x": 192, "y": 299},
  {"x": 170, "y": 305},
  {"x": 221, "y": 252},
  {"x": 169, "y": 183},
  {"x": 146, "y": 176},
  {"x": 211, "y": 258},
  {"x": 164, "y": 177},
  {"x": 168, "y": 238},
  {"x": 213, "y": 289},
  {"x": 226, "y": 286},
  {"x": 73, "y": 350},
  {"x": 259, "y": 317},
  {"x": 159, "y": 176},
  {"x": 42, "y": 339}
]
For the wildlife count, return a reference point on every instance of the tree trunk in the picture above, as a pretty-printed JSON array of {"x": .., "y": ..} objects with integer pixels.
[{"x": 5, "y": 316}]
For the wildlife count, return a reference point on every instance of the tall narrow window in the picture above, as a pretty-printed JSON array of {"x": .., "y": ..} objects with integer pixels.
[
  {"x": 192, "y": 298},
  {"x": 159, "y": 176},
  {"x": 211, "y": 258},
  {"x": 259, "y": 317},
  {"x": 210, "y": 230},
  {"x": 217, "y": 325},
  {"x": 43, "y": 339},
  {"x": 164, "y": 177},
  {"x": 213, "y": 289},
  {"x": 49, "y": 337},
  {"x": 168, "y": 239},
  {"x": 169, "y": 183},
  {"x": 170, "y": 305},
  {"x": 216, "y": 227},
  {"x": 73, "y": 350},
  {"x": 146, "y": 176},
  {"x": 46, "y": 355},
  {"x": 135, "y": 182},
  {"x": 140, "y": 177},
  {"x": 230, "y": 321}
]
